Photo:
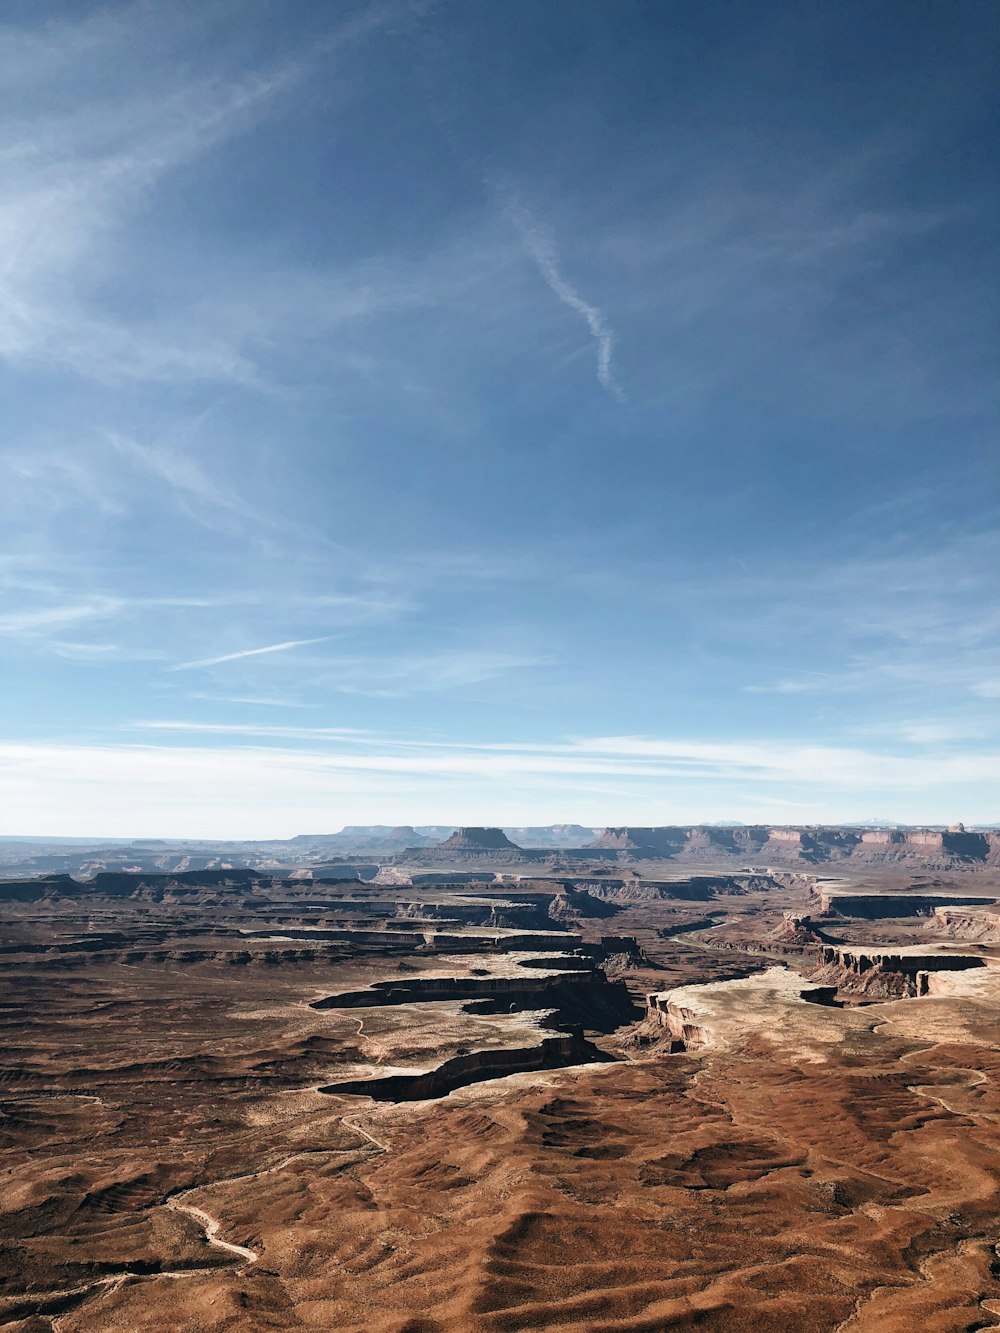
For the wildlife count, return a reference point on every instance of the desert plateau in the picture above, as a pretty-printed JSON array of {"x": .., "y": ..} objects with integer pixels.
[{"x": 636, "y": 1095}]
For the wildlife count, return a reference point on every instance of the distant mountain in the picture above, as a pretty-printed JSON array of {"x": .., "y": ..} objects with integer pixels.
[
  {"x": 874, "y": 822},
  {"x": 478, "y": 839}
]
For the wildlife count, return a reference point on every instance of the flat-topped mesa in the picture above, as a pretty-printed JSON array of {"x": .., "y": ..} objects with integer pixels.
[
  {"x": 883, "y": 837},
  {"x": 666, "y": 841},
  {"x": 692, "y": 888},
  {"x": 485, "y": 848},
  {"x": 33, "y": 890},
  {"x": 393, "y": 876},
  {"x": 973, "y": 846},
  {"x": 552, "y": 1052},
  {"x": 571, "y": 902},
  {"x": 726, "y": 839},
  {"x": 871, "y": 906},
  {"x": 520, "y": 914},
  {"x": 478, "y": 839},
  {"x": 807, "y": 844},
  {"x": 903, "y": 958},
  {"x": 933, "y": 848},
  {"x": 889, "y": 971},
  {"x": 810, "y": 844},
  {"x": 570, "y": 987},
  {"x": 514, "y": 985},
  {"x": 789, "y": 837},
  {"x": 721, "y": 1012},
  {"x": 966, "y": 923},
  {"x": 214, "y": 885}
]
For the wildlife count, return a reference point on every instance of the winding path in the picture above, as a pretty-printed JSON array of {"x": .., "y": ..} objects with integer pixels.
[
  {"x": 212, "y": 1226},
  {"x": 382, "y": 1147}
]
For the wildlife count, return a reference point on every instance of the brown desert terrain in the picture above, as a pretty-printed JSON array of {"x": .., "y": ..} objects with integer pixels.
[{"x": 665, "y": 1097}]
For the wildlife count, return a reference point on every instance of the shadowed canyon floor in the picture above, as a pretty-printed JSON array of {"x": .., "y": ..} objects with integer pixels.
[{"x": 718, "y": 1102}]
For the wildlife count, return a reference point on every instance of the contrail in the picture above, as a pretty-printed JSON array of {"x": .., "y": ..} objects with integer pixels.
[
  {"x": 248, "y": 652},
  {"x": 541, "y": 247}
]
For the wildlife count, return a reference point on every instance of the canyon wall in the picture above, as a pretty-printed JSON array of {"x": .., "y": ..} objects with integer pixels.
[
  {"x": 554, "y": 1052},
  {"x": 925, "y": 848},
  {"x": 872, "y": 906}
]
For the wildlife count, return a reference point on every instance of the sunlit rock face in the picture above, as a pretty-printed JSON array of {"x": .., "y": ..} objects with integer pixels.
[{"x": 785, "y": 845}]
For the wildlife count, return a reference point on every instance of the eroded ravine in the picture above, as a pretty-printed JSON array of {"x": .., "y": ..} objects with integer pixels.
[{"x": 555, "y": 996}]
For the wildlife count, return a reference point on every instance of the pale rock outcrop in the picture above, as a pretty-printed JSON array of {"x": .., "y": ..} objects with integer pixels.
[{"x": 722, "y": 1012}]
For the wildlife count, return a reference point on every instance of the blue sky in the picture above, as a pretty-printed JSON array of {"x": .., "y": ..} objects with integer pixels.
[{"x": 479, "y": 412}]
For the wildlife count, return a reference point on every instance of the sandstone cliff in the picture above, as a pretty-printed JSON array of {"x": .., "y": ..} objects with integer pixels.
[{"x": 789, "y": 846}]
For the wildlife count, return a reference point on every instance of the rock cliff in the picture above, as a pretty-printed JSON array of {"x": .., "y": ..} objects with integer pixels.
[
  {"x": 714, "y": 1014},
  {"x": 887, "y": 972},
  {"x": 925, "y": 848}
]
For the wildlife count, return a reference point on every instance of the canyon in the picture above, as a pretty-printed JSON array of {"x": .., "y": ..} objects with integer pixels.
[{"x": 594, "y": 1089}]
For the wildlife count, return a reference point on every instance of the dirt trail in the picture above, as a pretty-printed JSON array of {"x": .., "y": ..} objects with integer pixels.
[
  {"x": 101, "y": 1288},
  {"x": 975, "y": 1079},
  {"x": 212, "y": 1227},
  {"x": 382, "y": 1147}
]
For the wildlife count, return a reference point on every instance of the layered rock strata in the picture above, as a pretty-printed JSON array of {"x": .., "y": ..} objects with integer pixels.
[
  {"x": 889, "y": 971},
  {"x": 555, "y": 1052},
  {"x": 930, "y": 848},
  {"x": 967, "y": 923},
  {"x": 700, "y": 1017},
  {"x": 871, "y": 906}
]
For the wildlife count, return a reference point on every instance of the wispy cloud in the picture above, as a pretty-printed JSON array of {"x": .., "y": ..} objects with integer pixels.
[
  {"x": 239, "y": 789},
  {"x": 198, "y": 493},
  {"x": 284, "y": 647},
  {"x": 104, "y": 654},
  {"x": 252, "y": 700},
  {"x": 35, "y": 622},
  {"x": 77, "y": 167},
  {"x": 40, "y": 620},
  {"x": 391, "y": 676},
  {"x": 924, "y": 731},
  {"x": 261, "y": 729},
  {"x": 541, "y": 247},
  {"x": 817, "y": 766},
  {"x": 69, "y": 183}
]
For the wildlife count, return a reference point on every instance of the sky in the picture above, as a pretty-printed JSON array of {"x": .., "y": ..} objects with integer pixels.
[{"x": 503, "y": 413}]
